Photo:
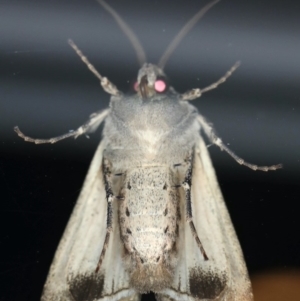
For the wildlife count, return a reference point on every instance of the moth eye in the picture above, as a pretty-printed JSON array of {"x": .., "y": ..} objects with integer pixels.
[
  {"x": 160, "y": 86},
  {"x": 136, "y": 86}
]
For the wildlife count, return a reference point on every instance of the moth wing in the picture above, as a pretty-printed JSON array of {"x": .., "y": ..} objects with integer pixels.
[
  {"x": 224, "y": 275},
  {"x": 72, "y": 275}
]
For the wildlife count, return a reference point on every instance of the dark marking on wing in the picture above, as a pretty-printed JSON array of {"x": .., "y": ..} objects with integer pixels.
[
  {"x": 86, "y": 287},
  {"x": 166, "y": 212},
  {"x": 206, "y": 285},
  {"x": 177, "y": 230},
  {"x": 174, "y": 248}
]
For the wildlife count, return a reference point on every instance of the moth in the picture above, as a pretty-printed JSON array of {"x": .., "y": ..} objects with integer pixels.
[{"x": 150, "y": 216}]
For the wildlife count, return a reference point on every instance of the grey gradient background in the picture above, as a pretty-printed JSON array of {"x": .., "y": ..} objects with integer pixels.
[{"x": 46, "y": 90}]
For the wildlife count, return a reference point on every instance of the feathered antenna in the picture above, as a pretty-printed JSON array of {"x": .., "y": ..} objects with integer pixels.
[
  {"x": 183, "y": 32},
  {"x": 139, "y": 50}
]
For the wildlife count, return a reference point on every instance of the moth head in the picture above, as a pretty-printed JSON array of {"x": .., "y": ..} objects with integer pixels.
[{"x": 151, "y": 80}]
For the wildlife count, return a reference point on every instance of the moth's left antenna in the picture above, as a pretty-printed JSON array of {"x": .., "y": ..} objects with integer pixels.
[{"x": 139, "y": 50}]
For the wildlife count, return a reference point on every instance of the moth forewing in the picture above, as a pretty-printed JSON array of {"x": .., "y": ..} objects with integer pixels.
[
  {"x": 72, "y": 274},
  {"x": 224, "y": 275}
]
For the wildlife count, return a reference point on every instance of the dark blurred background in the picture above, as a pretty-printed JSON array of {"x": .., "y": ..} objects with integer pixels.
[{"x": 46, "y": 90}]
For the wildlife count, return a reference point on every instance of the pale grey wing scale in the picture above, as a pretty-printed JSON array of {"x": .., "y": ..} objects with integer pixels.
[
  {"x": 224, "y": 275},
  {"x": 72, "y": 274}
]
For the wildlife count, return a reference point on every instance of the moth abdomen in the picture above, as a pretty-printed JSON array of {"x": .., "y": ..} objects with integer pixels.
[{"x": 148, "y": 226}]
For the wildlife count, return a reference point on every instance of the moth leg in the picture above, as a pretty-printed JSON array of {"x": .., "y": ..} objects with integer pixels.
[
  {"x": 209, "y": 131},
  {"x": 107, "y": 86},
  {"x": 187, "y": 183},
  {"x": 109, "y": 215},
  {"x": 196, "y": 93},
  {"x": 95, "y": 120}
]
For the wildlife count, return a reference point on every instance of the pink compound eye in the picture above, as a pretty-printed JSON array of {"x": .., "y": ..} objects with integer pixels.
[
  {"x": 136, "y": 86},
  {"x": 160, "y": 86}
]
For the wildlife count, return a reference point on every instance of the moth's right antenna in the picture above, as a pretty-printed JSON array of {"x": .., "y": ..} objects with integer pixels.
[
  {"x": 139, "y": 50},
  {"x": 183, "y": 32}
]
